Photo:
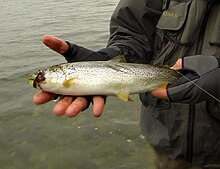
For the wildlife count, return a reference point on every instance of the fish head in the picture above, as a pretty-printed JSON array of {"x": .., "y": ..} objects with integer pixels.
[
  {"x": 49, "y": 79},
  {"x": 36, "y": 79}
]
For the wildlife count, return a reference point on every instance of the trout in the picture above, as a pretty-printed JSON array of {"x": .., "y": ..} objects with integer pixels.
[{"x": 113, "y": 77}]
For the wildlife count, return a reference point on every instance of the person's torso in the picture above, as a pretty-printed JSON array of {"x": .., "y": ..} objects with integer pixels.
[{"x": 187, "y": 27}]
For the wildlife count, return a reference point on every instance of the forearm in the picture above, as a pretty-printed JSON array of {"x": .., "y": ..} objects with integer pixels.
[
  {"x": 201, "y": 81},
  {"x": 77, "y": 53},
  {"x": 132, "y": 31}
]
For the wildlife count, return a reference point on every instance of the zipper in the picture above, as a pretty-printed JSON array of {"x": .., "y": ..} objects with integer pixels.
[
  {"x": 191, "y": 117},
  {"x": 190, "y": 133}
]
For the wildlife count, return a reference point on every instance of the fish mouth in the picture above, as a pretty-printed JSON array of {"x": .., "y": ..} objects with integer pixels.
[
  {"x": 36, "y": 78},
  {"x": 32, "y": 80}
]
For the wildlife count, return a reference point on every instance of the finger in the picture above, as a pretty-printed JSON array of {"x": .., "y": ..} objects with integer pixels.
[
  {"x": 61, "y": 107},
  {"x": 159, "y": 93},
  {"x": 98, "y": 106},
  {"x": 177, "y": 65},
  {"x": 55, "y": 43},
  {"x": 43, "y": 97},
  {"x": 78, "y": 105}
]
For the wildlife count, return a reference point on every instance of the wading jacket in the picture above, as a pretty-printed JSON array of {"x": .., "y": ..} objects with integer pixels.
[{"x": 159, "y": 32}]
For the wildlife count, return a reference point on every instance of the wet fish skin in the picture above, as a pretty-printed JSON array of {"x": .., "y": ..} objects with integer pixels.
[{"x": 103, "y": 78}]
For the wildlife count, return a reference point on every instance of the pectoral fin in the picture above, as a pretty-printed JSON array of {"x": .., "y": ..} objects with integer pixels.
[
  {"x": 124, "y": 96},
  {"x": 68, "y": 82}
]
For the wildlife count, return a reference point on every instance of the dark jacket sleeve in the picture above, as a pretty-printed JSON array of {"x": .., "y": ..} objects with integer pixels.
[
  {"x": 132, "y": 32},
  {"x": 132, "y": 28},
  {"x": 201, "y": 81}
]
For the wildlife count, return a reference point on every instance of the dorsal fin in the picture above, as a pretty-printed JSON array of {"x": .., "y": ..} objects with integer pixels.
[
  {"x": 166, "y": 66},
  {"x": 119, "y": 58}
]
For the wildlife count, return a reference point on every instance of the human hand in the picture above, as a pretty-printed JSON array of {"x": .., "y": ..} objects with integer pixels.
[
  {"x": 199, "y": 69},
  {"x": 71, "y": 106},
  {"x": 199, "y": 81},
  {"x": 161, "y": 93}
]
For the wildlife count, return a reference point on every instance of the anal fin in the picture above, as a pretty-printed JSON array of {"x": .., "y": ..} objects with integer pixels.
[
  {"x": 163, "y": 86},
  {"x": 124, "y": 96}
]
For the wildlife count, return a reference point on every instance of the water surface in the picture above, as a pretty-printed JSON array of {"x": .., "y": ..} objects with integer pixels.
[{"x": 31, "y": 136}]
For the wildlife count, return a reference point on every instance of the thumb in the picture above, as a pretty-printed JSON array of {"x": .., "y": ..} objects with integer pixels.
[
  {"x": 177, "y": 65},
  {"x": 55, "y": 44}
]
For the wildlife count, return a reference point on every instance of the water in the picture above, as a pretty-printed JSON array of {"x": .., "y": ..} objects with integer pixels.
[{"x": 31, "y": 136}]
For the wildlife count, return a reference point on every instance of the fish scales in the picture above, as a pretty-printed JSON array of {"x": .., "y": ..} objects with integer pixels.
[{"x": 103, "y": 78}]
